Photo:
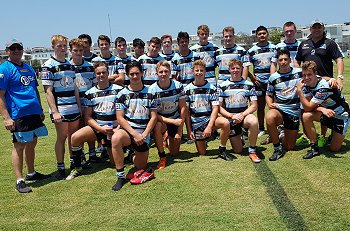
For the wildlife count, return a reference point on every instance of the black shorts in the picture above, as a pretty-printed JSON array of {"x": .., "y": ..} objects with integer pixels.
[
  {"x": 198, "y": 132},
  {"x": 143, "y": 147},
  {"x": 261, "y": 90},
  {"x": 27, "y": 128},
  {"x": 68, "y": 118},
  {"x": 235, "y": 129},
  {"x": 338, "y": 125},
  {"x": 172, "y": 130},
  {"x": 290, "y": 122},
  {"x": 100, "y": 136}
]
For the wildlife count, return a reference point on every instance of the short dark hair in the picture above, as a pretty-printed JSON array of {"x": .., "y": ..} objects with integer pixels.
[
  {"x": 181, "y": 35},
  {"x": 283, "y": 51},
  {"x": 86, "y": 36},
  {"x": 289, "y": 23},
  {"x": 260, "y": 28},
  {"x": 100, "y": 64},
  {"x": 103, "y": 37},
  {"x": 155, "y": 40},
  {"x": 131, "y": 65},
  {"x": 137, "y": 42},
  {"x": 118, "y": 40}
]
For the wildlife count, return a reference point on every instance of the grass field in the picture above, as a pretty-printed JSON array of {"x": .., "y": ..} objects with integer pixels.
[{"x": 192, "y": 193}]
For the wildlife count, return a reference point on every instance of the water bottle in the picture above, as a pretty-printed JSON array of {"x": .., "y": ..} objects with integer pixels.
[{"x": 109, "y": 125}]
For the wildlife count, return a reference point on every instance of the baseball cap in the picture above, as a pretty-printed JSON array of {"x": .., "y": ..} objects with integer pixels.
[
  {"x": 14, "y": 41},
  {"x": 317, "y": 21}
]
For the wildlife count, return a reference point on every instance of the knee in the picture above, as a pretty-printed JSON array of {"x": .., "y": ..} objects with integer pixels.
[
  {"x": 334, "y": 148},
  {"x": 270, "y": 119},
  {"x": 75, "y": 139},
  {"x": 307, "y": 116},
  {"x": 289, "y": 146}
]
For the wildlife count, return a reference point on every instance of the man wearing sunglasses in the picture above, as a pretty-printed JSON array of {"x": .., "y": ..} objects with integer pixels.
[{"x": 22, "y": 113}]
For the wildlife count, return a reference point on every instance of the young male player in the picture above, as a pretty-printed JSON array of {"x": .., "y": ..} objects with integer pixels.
[
  {"x": 234, "y": 95},
  {"x": 203, "y": 107},
  {"x": 171, "y": 104},
  {"x": 137, "y": 116}
]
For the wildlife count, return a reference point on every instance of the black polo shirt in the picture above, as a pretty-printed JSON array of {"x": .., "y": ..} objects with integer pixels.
[{"x": 322, "y": 53}]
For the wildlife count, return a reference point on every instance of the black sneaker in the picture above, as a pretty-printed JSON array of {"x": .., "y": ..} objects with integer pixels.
[
  {"x": 119, "y": 184},
  {"x": 37, "y": 176},
  {"x": 22, "y": 187},
  {"x": 311, "y": 153},
  {"x": 223, "y": 155},
  {"x": 129, "y": 158},
  {"x": 94, "y": 159},
  {"x": 104, "y": 154},
  {"x": 61, "y": 174},
  {"x": 276, "y": 155}
]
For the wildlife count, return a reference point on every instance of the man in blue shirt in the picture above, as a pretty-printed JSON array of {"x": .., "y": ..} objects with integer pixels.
[{"x": 21, "y": 111}]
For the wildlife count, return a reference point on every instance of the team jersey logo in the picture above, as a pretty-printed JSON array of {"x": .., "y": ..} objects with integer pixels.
[
  {"x": 26, "y": 80},
  {"x": 66, "y": 81},
  {"x": 1, "y": 76}
]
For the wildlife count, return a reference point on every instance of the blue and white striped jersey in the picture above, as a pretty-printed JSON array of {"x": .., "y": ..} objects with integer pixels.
[
  {"x": 111, "y": 62},
  {"x": 167, "y": 100},
  {"x": 283, "y": 89},
  {"x": 103, "y": 103},
  {"x": 168, "y": 57},
  {"x": 207, "y": 54},
  {"x": 325, "y": 96},
  {"x": 183, "y": 66},
  {"x": 235, "y": 95},
  {"x": 61, "y": 76},
  {"x": 89, "y": 58},
  {"x": 224, "y": 55},
  {"x": 291, "y": 47},
  {"x": 200, "y": 100},
  {"x": 149, "y": 67},
  {"x": 261, "y": 57},
  {"x": 122, "y": 62},
  {"x": 137, "y": 106},
  {"x": 84, "y": 79}
]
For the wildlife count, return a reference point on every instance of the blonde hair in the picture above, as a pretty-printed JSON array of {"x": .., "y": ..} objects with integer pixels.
[
  {"x": 58, "y": 38},
  {"x": 204, "y": 28},
  {"x": 309, "y": 66},
  {"x": 76, "y": 42},
  {"x": 199, "y": 62},
  {"x": 235, "y": 62},
  {"x": 163, "y": 63}
]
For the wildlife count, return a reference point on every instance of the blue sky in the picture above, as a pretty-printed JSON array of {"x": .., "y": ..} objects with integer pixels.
[{"x": 34, "y": 22}]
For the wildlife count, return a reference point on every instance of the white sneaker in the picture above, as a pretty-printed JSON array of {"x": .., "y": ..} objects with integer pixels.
[{"x": 261, "y": 133}]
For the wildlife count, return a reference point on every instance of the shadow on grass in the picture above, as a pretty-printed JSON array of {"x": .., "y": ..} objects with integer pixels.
[
  {"x": 290, "y": 215},
  {"x": 95, "y": 167}
]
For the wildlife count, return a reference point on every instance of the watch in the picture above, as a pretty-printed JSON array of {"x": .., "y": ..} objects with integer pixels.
[{"x": 341, "y": 77}]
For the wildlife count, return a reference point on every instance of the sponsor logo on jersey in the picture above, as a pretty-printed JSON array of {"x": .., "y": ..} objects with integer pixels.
[{"x": 26, "y": 80}]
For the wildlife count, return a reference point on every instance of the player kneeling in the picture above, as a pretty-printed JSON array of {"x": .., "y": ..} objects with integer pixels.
[
  {"x": 203, "y": 107},
  {"x": 283, "y": 102},
  {"x": 234, "y": 95},
  {"x": 137, "y": 115},
  {"x": 171, "y": 103},
  {"x": 324, "y": 104},
  {"x": 100, "y": 115}
]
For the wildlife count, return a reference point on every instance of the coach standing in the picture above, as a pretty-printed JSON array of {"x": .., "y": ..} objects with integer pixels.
[
  {"x": 21, "y": 111},
  {"x": 322, "y": 51}
]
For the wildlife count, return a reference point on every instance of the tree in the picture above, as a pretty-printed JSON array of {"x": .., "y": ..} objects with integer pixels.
[
  {"x": 36, "y": 64},
  {"x": 275, "y": 36}
]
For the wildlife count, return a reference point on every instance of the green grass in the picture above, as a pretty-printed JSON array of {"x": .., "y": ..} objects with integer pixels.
[{"x": 192, "y": 193}]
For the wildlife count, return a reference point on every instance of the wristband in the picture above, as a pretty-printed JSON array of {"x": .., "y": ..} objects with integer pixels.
[{"x": 341, "y": 77}]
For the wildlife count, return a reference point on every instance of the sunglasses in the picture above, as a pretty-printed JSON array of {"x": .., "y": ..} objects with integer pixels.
[{"x": 13, "y": 48}]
